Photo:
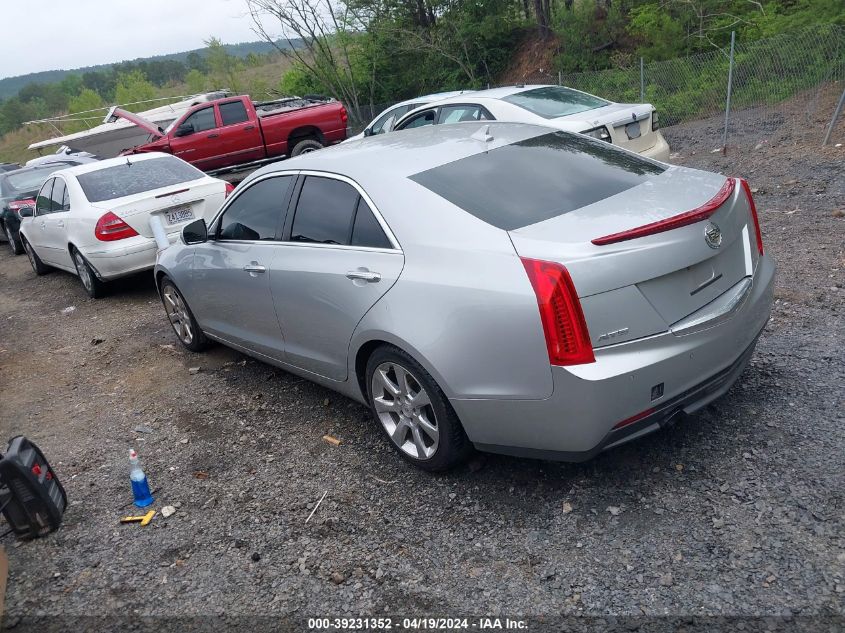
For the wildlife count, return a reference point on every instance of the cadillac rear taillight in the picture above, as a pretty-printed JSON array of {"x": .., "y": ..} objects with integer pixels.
[
  {"x": 567, "y": 337},
  {"x": 110, "y": 228},
  {"x": 344, "y": 117},
  {"x": 229, "y": 189},
  {"x": 754, "y": 217},
  {"x": 676, "y": 221}
]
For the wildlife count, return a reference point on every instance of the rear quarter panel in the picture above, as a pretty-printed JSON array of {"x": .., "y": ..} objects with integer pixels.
[
  {"x": 463, "y": 306},
  {"x": 277, "y": 128}
]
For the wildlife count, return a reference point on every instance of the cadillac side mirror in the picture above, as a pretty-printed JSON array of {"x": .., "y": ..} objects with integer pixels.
[
  {"x": 25, "y": 212},
  {"x": 184, "y": 130},
  {"x": 368, "y": 131},
  {"x": 195, "y": 233}
]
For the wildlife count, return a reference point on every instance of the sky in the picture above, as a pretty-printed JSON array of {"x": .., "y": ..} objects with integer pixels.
[{"x": 64, "y": 34}]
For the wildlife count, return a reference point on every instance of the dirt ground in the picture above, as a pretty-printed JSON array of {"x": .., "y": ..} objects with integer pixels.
[{"x": 736, "y": 511}]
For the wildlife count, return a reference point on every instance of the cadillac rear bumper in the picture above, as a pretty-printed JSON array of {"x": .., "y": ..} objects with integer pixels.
[
  {"x": 662, "y": 416},
  {"x": 632, "y": 389}
]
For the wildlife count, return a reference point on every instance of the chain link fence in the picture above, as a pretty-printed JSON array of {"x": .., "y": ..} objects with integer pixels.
[{"x": 784, "y": 89}]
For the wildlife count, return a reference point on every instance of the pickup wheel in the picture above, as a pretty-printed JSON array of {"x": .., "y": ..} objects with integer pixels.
[{"x": 306, "y": 145}]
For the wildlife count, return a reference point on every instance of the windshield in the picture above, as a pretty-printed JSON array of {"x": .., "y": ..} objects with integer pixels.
[
  {"x": 555, "y": 101},
  {"x": 128, "y": 178},
  {"x": 30, "y": 179}
]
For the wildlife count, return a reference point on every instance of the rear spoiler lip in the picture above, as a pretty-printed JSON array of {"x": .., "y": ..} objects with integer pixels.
[
  {"x": 116, "y": 113},
  {"x": 676, "y": 221}
]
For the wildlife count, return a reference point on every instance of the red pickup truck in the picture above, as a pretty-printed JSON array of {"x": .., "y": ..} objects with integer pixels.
[{"x": 237, "y": 132}]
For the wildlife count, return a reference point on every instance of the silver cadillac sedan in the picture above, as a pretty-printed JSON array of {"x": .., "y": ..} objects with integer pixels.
[{"x": 501, "y": 286}]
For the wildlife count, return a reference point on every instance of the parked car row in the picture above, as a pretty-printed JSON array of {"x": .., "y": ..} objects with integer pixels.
[
  {"x": 504, "y": 286},
  {"x": 94, "y": 220}
]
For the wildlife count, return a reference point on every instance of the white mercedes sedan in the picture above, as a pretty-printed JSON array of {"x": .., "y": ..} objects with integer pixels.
[
  {"x": 631, "y": 126},
  {"x": 97, "y": 220}
]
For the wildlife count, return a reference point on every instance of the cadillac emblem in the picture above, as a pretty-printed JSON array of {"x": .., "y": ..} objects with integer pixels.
[{"x": 713, "y": 235}]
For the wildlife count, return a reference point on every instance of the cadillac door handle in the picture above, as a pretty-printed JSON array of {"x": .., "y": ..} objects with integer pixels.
[
  {"x": 254, "y": 269},
  {"x": 60, "y": 224},
  {"x": 364, "y": 275}
]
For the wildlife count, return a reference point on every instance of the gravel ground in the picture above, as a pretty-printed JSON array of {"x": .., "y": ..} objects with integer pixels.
[{"x": 736, "y": 511}]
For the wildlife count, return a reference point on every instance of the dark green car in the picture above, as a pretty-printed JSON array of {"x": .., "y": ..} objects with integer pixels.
[{"x": 17, "y": 192}]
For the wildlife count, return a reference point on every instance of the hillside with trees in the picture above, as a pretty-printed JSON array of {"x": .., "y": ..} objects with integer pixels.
[
  {"x": 11, "y": 86},
  {"x": 369, "y": 52},
  {"x": 375, "y": 51}
]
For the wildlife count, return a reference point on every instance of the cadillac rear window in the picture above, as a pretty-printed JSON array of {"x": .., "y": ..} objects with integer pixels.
[
  {"x": 537, "y": 179},
  {"x": 129, "y": 178},
  {"x": 555, "y": 101}
]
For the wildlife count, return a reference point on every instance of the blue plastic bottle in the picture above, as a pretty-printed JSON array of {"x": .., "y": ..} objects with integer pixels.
[{"x": 140, "y": 487}]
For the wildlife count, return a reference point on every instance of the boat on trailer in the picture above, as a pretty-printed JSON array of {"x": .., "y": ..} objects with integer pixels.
[{"x": 111, "y": 137}]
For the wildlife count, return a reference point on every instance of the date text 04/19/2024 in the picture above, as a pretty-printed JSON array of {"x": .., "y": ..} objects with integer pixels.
[{"x": 417, "y": 624}]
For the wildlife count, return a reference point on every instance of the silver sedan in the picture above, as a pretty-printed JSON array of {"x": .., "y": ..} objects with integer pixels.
[{"x": 501, "y": 286}]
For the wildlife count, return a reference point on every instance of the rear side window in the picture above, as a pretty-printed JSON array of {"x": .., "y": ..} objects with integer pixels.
[
  {"x": 128, "y": 178},
  {"x": 462, "y": 113},
  {"x": 366, "y": 231},
  {"x": 256, "y": 213},
  {"x": 325, "y": 211},
  {"x": 537, "y": 179},
  {"x": 555, "y": 101},
  {"x": 423, "y": 118},
  {"x": 233, "y": 112},
  {"x": 59, "y": 195}
]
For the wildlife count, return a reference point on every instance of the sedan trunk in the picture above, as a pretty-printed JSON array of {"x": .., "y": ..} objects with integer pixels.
[
  {"x": 663, "y": 272},
  {"x": 176, "y": 206}
]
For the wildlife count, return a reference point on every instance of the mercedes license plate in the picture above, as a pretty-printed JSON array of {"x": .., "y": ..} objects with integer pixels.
[{"x": 179, "y": 214}]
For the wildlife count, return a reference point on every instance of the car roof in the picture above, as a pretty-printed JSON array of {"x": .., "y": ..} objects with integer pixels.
[
  {"x": 410, "y": 151},
  {"x": 59, "y": 164},
  {"x": 436, "y": 96},
  {"x": 505, "y": 91},
  {"x": 110, "y": 162}
]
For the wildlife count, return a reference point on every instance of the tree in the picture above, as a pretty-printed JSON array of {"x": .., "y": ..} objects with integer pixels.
[
  {"x": 100, "y": 82},
  {"x": 197, "y": 82},
  {"x": 197, "y": 62},
  {"x": 543, "y": 14},
  {"x": 71, "y": 85},
  {"x": 224, "y": 69},
  {"x": 13, "y": 113},
  {"x": 88, "y": 105},
  {"x": 328, "y": 34},
  {"x": 134, "y": 91}
]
